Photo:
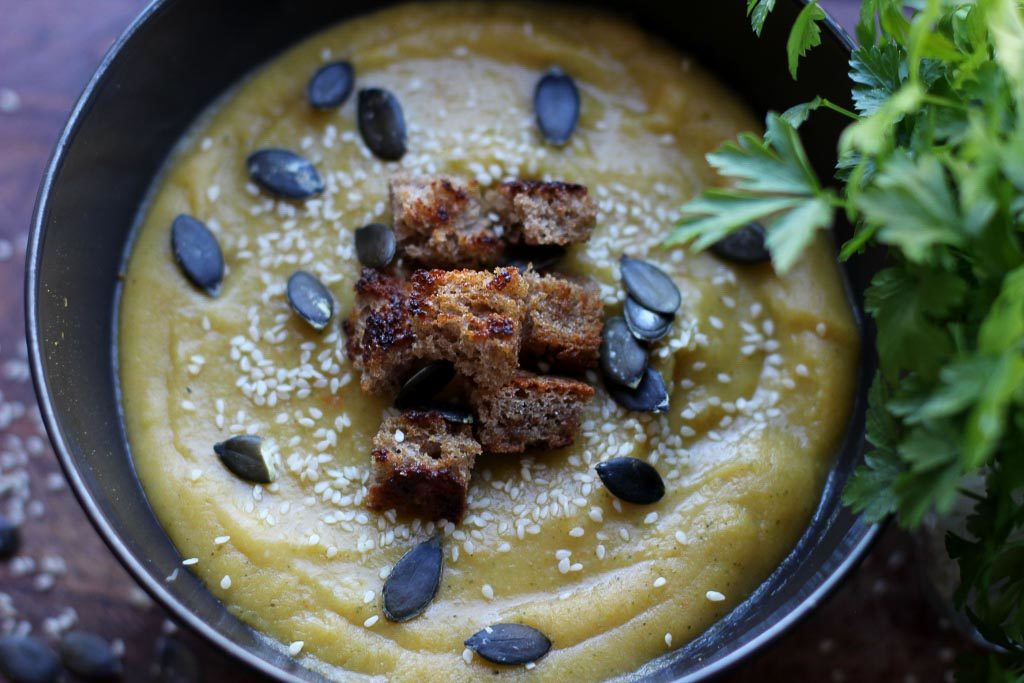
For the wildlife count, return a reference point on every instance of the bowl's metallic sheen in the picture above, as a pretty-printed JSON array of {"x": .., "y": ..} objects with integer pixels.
[{"x": 175, "y": 59}]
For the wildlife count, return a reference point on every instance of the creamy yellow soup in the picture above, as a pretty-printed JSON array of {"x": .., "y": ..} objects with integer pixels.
[{"x": 760, "y": 368}]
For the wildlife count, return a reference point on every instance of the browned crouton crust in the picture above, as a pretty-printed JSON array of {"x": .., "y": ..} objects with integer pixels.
[
  {"x": 531, "y": 411},
  {"x": 421, "y": 466},
  {"x": 540, "y": 212},
  {"x": 439, "y": 222},
  {"x": 563, "y": 323},
  {"x": 472, "y": 318}
]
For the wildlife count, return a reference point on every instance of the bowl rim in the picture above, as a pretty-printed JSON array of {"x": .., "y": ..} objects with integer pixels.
[{"x": 868, "y": 535}]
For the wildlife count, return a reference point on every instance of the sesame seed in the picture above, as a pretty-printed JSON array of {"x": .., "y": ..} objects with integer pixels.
[
  {"x": 221, "y": 540},
  {"x": 562, "y": 554},
  {"x": 681, "y": 538},
  {"x": 714, "y": 596},
  {"x": 821, "y": 329},
  {"x": 488, "y": 591},
  {"x": 531, "y": 665},
  {"x": 600, "y": 551},
  {"x": 371, "y": 621},
  {"x": 563, "y": 565},
  {"x": 467, "y": 655},
  {"x": 668, "y": 639},
  {"x": 399, "y": 436},
  {"x": 659, "y": 582},
  {"x": 225, "y": 583},
  {"x": 576, "y": 532},
  {"x": 368, "y": 597},
  {"x": 295, "y": 648},
  {"x": 190, "y": 561},
  {"x": 651, "y": 518}
]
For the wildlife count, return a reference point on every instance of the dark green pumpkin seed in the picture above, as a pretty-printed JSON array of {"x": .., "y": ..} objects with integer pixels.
[
  {"x": 509, "y": 644},
  {"x": 556, "y": 103},
  {"x": 24, "y": 659},
  {"x": 375, "y": 245},
  {"x": 745, "y": 245},
  {"x": 244, "y": 457},
  {"x": 631, "y": 480},
  {"x": 649, "y": 397},
  {"x": 382, "y": 123},
  {"x": 198, "y": 253},
  {"x": 10, "y": 538},
  {"x": 310, "y": 299},
  {"x": 176, "y": 663},
  {"x": 331, "y": 85},
  {"x": 89, "y": 656},
  {"x": 623, "y": 360},
  {"x": 414, "y": 581},
  {"x": 650, "y": 286},
  {"x": 646, "y": 325},
  {"x": 284, "y": 173},
  {"x": 450, "y": 413},
  {"x": 425, "y": 384}
]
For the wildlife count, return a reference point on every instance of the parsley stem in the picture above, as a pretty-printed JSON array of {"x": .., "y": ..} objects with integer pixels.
[
  {"x": 943, "y": 102},
  {"x": 839, "y": 110}
]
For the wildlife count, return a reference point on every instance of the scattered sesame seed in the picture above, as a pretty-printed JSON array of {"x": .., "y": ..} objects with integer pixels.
[
  {"x": 399, "y": 436},
  {"x": 190, "y": 561},
  {"x": 467, "y": 656},
  {"x": 714, "y": 596},
  {"x": 576, "y": 532},
  {"x": 600, "y": 551},
  {"x": 371, "y": 621},
  {"x": 488, "y": 591},
  {"x": 651, "y": 518},
  {"x": 660, "y": 581},
  {"x": 225, "y": 583},
  {"x": 295, "y": 648},
  {"x": 221, "y": 540},
  {"x": 531, "y": 665},
  {"x": 668, "y": 640},
  {"x": 368, "y": 597}
]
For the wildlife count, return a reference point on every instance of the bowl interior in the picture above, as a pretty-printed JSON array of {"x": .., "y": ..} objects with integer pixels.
[{"x": 175, "y": 60}]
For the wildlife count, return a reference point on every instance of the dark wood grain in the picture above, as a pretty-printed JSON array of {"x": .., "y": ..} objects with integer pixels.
[{"x": 877, "y": 628}]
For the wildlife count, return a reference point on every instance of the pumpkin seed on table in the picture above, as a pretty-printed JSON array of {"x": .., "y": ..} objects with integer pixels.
[
  {"x": 10, "y": 538},
  {"x": 631, "y": 480},
  {"x": 414, "y": 581},
  {"x": 244, "y": 457},
  {"x": 284, "y": 173},
  {"x": 89, "y": 656},
  {"x": 331, "y": 85},
  {"x": 745, "y": 245},
  {"x": 650, "y": 396},
  {"x": 509, "y": 644},
  {"x": 623, "y": 360},
  {"x": 310, "y": 299},
  {"x": 650, "y": 286},
  {"x": 24, "y": 659},
  {"x": 425, "y": 384},
  {"x": 197, "y": 253},
  {"x": 375, "y": 245},
  {"x": 556, "y": 103},
  {"x": 645, "y": 324},
  {"x": 381, "y": 123}
]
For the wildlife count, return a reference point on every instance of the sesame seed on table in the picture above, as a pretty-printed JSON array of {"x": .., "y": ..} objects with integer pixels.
[{"x": 64, "y": 576}]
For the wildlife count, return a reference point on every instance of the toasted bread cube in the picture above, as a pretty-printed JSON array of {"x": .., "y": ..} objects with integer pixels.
[
  {"x": 563, "y": 323},
  {"x": 422, "y": 465},
  {"x": 531, "y": 411},
  {"x": 439, "y": 222},
  {"x": 472, "y": 318},
  {"x": 538, "y": 212}
]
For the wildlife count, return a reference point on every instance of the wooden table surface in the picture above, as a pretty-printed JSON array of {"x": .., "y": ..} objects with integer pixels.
[{"x": 878, "y": 627}]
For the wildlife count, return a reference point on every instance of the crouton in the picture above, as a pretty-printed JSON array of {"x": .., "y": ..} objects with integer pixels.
[
  {"x": 439, "y": 222},
  {"x": 531, "y": 411},
  {"x": 472, "y": 318},
  {"x": 563, "y": 323},
  {"x": 537, "y": 212},
  {"x": 421, "y": 466}
]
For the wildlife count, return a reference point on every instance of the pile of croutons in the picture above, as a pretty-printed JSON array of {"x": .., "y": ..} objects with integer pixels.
[{"x": 511, "y": 333}]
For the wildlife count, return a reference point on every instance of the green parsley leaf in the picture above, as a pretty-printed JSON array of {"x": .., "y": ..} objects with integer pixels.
[
  {"x": 758, "y": 11},
  {"x": 805, "y": 34}
]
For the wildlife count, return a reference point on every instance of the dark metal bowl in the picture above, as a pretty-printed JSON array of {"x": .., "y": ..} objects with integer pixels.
[{"x": 175, "y": 59}]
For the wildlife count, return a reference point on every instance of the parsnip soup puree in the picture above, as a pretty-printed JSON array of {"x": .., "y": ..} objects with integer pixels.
[{"x": 759, "y": 368}]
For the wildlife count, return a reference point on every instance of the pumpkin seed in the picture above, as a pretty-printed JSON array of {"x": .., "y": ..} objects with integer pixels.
[
  {"x": 176, "y": 663},
  {"x": 539, "y": 257},
  {"x": 650, "y": 286},
  {"x": 414, "y": 581},
  {"x": 623, "y": 360},
  {"x": 24, "y": 659},
  {"x": 310, "y": 299},
  {"x": 382, "y": 123},
  {"x": 244, "y": 457},
  {"x": 745, "y": 245},
  {"x": 649, "y": 397},
  {"x": 425, "y": 384},
  {"x": 646, "y": 325},
  {"x": 198, "y": 253},
  {"x": 375, "y": 245},
  {"x": 10, "y": 538},
  {"x": 631, "y": 480},
  {"x": 284, "y": 173},
  {"x": 450, "y": 413},
  {"x": 556, "y": 102},
  {"x": 509, "y": 644},
  {"x": 89, "y": 656},
  {"x": 331, "y": 85}
]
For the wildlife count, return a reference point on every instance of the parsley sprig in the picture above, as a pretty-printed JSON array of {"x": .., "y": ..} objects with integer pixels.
[{"x": 931, "y": 166}]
